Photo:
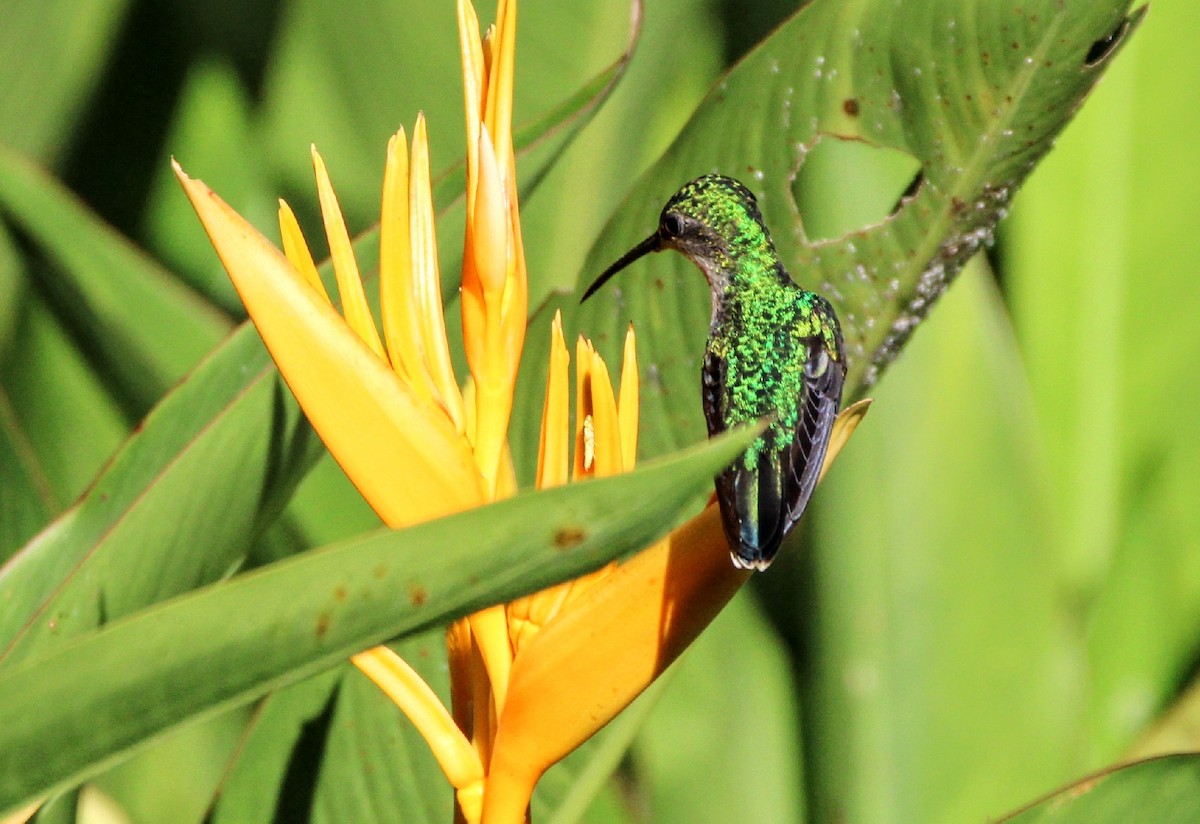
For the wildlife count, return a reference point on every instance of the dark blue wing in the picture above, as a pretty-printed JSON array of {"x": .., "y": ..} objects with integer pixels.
[
  {"x": 805, "y": 455},
  {"x": 761, "y": 503}
]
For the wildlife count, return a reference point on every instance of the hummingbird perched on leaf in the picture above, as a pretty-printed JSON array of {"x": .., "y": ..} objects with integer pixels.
[{"x": 774, "y": 351}]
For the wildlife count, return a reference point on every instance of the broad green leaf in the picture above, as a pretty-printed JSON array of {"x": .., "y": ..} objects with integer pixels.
[
  {"x": 51, "y": 56},
  {"x": 342, "y": 750},
  {"x": 284, "y": 738},
  {"x": 1163, "y": 790},
  {"x": 178, "y": 506},
  {"x": 975, "y": 92},
  {"x": 212, "y": 137},
  {"x": 289, "y": 732},
  {"x": 925, "y": 601},
  {"x": 172, "y": 782},
  {"x": 27, "y": 497},
  {"x": 276, "y": 625},
  {"x": 681, "y": 50},
  {"x": 143, "y": 328},
  {"x": 12, "y": 289},
  {"x": 57, "y": 425},
  {"x": 1176, "y": 730},
  {"x": 327, "y": 507},
  {"x": 1109, "y": 338},
  {"x": 385, "y": 771}
]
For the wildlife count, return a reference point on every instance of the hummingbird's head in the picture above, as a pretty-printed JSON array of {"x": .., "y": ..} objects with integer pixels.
[{"x": 713, "y": 221}]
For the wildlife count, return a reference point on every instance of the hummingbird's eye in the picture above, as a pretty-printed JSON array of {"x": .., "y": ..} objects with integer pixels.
[{"x": 672, "y": 225}]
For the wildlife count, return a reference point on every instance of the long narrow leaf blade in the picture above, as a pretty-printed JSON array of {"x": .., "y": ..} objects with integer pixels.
[{"x": 235, "y": 641}]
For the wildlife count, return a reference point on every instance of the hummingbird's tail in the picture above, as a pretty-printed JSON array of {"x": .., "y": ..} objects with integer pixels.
[{"x": 753, "y": 496}]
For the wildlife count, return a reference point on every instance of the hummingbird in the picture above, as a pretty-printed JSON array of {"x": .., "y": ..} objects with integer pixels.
[{"x": 774, "y": 351}]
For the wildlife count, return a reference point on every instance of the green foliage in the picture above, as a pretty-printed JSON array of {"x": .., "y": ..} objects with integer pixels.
[
  {"x": 276, "y": 625},
  {"x": 1167, "y": 783},
  {"x": 996, "y": 590}
]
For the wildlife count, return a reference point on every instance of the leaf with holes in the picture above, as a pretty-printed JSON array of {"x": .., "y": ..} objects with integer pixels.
[{"x": 969, "y": 95}]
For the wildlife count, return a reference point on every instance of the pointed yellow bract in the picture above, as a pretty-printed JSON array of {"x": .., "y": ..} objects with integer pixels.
[
  {"x": 554, "y": 452},
  {"x": 372, "y": 422},
  {"x": 404, "y": 686},
  {"x": 295, "y": 247},
  {"x": 426, "y": 279},
  {"x": 627, "y": 406},
  {"x": 533, "y": 679},
  {"x": 350, "y": 288},
  {"x": 494, "y": 287},
  {"x": 401, "y": 321}
]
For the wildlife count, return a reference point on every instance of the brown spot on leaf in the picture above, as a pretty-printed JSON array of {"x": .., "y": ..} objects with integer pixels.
[
  {"x": 322, "y": 625},
  {"x": 417, "y": 596},
  {"x": 381, "y": 571},
  {"x": 568, "y": 536},
  {"x": 339, "y": 593},
  {"x": 850, "y": 106}
]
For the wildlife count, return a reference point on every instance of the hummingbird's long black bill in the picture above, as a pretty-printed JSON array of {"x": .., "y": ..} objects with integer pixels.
[{"x": 650, "y": 244}]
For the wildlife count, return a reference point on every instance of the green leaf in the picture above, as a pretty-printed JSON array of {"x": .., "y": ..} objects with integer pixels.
[
  {"x": 12, "y": 289},
  {"x": 141, "y": 325},
  {"x": 1163, "y": 790},
  {"x": 178, "y": 506},
  {"x": 341, "y": 751},
  {"x": 57, "y": 425},
  {"x": 975, "y": 92},
  {"x": 663, "y": 85},
  {"x": 51, "y": 56},
  {"x": 1105, "y": 341},
  {"x": 276, "y": 625},
  {"x": 172, "y": 782},
  {"x": 285, "y": 736},
  {"x": 212, "y": 136},
  {"x": 927, "y": 605}
]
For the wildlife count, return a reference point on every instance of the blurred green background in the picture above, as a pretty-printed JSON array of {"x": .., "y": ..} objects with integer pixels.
[{"x": 999, "y": 588}]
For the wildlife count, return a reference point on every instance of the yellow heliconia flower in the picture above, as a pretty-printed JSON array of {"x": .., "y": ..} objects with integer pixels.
[{"x": 533, "y": 679}]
